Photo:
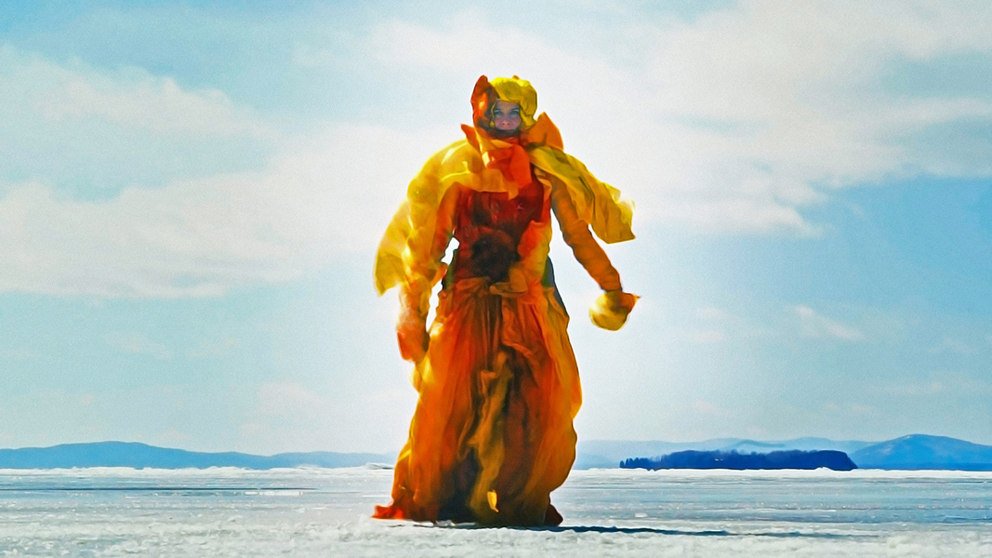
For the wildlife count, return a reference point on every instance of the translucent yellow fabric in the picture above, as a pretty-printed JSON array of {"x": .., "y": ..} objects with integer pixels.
[{"x": 498, "y": 384}]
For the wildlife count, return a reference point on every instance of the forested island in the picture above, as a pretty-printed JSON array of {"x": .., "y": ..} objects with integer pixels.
[{"x": 793, "y": 459}]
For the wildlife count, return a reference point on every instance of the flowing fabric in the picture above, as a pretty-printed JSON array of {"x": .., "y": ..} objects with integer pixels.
[{"x": 498, "y": 385}]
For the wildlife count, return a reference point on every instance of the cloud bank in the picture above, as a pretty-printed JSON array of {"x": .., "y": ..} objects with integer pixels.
[{"x": 739, "y": 121}]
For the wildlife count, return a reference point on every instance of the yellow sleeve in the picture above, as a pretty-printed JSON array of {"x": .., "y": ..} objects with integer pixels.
[
  {"x": 597, "y": 203},
  {"x": 414, "y": 243}
]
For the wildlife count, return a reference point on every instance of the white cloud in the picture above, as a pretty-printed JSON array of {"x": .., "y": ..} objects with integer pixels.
[
  {"x": 814, "y": 325},
  {"x": 803, "y": 82},
  {"x": 707, "y": 408},
  {"x": 201, "y": 237},
  {"x": 155, "y": 104},
  {"x": 736, "y": 216},
  {"x": 289, "y": 399},
  {"x": 129, "y": 98},
  {"x": 173, "y": 436},
  {"x": 950, "y": 345},
  {"x": 137, "y": 343},
  {"x": 735, "y": 122},
  {"x": 743, "y": 118},
  {"x": 707, "y": 336},
  {"x": 717, "y": 325},
  {"x": 95, "y": 130},
  {"x": 712, "y": 313},
  {"x": 214, "y": 348},
  {"x": 917, "y": 389},
  {"x": 20, "y": 354},
  {"x": 947, "y": 383},
  {"x": 200, "y": 233}
]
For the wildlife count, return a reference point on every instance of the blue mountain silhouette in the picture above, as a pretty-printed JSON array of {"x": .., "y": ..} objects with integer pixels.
[
  {"x": 139, "y": 456},
  {"x": 917, "y": 451},
  {"x": 920, "y": 451}
]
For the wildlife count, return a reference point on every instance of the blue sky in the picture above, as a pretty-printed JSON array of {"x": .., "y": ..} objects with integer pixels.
[{"x": 191, "y": 194}]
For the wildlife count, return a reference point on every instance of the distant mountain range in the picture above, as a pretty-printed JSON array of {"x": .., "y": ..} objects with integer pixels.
[
  {"x": 139, "y": 456},
  {"x": 914, "y": 452},
  {"x": 925, "y": 452},
  {"x": 917, "y": 451}
]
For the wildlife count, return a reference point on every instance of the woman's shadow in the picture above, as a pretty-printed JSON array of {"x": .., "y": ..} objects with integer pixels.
[{"x": 607, "y": 529}]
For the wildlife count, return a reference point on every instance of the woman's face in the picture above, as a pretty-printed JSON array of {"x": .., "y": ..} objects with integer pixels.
[{"x": 506, "y": 116}]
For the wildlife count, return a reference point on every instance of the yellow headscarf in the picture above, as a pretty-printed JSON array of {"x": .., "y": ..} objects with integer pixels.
[{"x": 519, "y": 91}]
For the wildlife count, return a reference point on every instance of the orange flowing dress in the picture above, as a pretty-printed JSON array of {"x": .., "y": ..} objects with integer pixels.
[{"x": 498, "y": 387}]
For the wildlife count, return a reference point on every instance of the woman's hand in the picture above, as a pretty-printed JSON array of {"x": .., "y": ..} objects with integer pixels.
[{"x": 611, "y": 309}]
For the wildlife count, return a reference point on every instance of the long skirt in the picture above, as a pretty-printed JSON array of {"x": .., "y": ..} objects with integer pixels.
[{"x": 492, "y": 434}]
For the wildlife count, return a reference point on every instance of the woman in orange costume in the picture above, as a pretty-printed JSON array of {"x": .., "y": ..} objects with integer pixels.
[{"x": 498, "y": 385}]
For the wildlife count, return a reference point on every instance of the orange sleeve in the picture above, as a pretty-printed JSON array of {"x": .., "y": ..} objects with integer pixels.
[
  {"x": 575, "y": 233},
  {"x": 611, "y": 309}
]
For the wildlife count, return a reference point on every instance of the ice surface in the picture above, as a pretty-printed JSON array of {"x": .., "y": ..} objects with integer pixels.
[{"x": 325, "y": 512}]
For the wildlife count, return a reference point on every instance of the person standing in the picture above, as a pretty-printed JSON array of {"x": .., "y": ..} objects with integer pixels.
[{"x": 498, "y": 384}]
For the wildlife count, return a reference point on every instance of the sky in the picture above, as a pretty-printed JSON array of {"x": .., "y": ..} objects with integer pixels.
[{"x": 191, "y": 194}]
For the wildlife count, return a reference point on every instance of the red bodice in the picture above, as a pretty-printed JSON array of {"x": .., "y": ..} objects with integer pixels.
[{"x": 488, "y": 227}]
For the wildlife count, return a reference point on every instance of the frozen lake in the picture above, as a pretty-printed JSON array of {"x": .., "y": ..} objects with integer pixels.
[{"x": 325, "y": 512}]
